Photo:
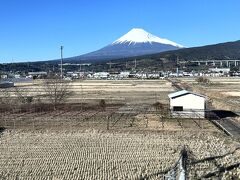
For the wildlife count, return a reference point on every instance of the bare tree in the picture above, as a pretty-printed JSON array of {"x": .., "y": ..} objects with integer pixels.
[
  {"x": 103, "y": 105},
  {"x": 7, "y": 102},
  {"x": 57, "y": 91},
  {"x": 162, "y": 110},
  {"x": 3, "y": 96},
  {"x": 23, "y": 96}
]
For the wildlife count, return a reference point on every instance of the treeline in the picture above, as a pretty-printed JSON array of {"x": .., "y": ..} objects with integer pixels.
[{"x": 160, "y": 61}]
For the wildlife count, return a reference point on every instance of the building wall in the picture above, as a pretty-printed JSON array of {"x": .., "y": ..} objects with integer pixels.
[
  {"x": 189, "y": 101},
  {"x": 193, "y": 106},
  {"x": 188, "y": 114}
]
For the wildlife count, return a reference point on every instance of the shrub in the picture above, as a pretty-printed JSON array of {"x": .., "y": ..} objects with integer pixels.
[
  {"x": 203, "y": 80},
  {"x": 102, "y": 104}
]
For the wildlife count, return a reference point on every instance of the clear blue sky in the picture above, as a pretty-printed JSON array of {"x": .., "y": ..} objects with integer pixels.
[{"x": 35, "y": 29}]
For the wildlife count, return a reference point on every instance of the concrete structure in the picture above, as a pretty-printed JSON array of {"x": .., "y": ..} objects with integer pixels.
[
  {"x": 124, "y": 74},
  {"x": 227, "y": 62},
  {"x": 101, "y": 75},
  {"x": 219, "y": 72},
  {"x": 3, "y": 76},
  {"x": 185, "y": 104}
]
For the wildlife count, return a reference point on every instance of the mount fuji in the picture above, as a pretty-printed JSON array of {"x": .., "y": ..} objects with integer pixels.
[{"x": 135, "y": 43}]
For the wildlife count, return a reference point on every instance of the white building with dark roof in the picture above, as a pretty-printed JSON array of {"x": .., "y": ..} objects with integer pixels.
[{"x": 187, "y": 104}]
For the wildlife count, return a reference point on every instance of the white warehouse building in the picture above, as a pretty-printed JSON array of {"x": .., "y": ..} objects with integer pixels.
[{"x": 185, "y": 104}]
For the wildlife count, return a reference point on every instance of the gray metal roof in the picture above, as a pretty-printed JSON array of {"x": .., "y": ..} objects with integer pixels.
[
  {"x": 181, "y": 93},
  {"x": 178, "y": 93}
]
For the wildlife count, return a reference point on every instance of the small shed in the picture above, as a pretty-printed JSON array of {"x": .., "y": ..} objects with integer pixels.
[{"x": 186, "y": 104}]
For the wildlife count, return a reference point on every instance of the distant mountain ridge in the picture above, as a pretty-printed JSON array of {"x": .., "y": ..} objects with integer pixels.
[
  {"x": 135, "y": 43},
  {"x": 221, "y": 51},
  {"x": 157, "y": 61}
]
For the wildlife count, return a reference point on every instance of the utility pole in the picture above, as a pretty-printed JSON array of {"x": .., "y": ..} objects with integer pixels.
[
  {"x": 110, "y": 65},
  {"x": 80, "y": 69},
  {"x": 177, "y": 67},
  {"x": 82, "y": 97},
  {"x": 61, "y": 62},
  {"x": 135, "y": 64}
]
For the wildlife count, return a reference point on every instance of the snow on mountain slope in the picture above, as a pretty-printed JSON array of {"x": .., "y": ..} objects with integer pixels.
[{"x": 137, "y": 35}]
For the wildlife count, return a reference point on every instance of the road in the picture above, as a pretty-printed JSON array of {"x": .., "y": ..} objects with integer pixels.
[{"x": 229, "y": 127}]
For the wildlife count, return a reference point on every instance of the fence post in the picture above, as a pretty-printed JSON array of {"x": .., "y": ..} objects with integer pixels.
[
  {"x": 108, "y": 122},
  {"x": 5, "y": 121},
  {"x": 14, "y": 124},
  {"x": 179, "y": 169},
  {"x": 183, "y": 159}
]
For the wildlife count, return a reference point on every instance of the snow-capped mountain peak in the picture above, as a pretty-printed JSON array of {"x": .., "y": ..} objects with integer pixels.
[
  {"x": 136, "y": 42},
  {"x": 137, "y": 35}
]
